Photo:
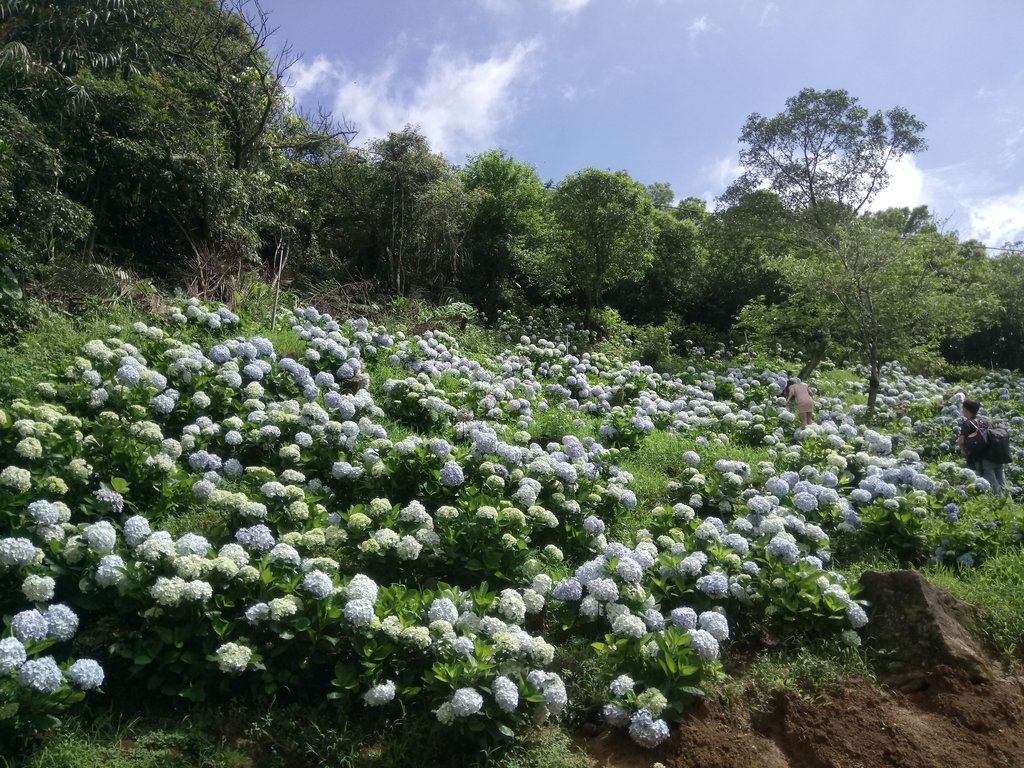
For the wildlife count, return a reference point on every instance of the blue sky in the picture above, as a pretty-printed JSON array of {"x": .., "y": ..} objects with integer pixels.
[{"x": 661, "y": 88}]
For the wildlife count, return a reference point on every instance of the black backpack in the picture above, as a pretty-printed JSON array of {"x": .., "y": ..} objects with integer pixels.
[
  {"x": 976, "y": 438},
  {"x": 998, "y": 445}
]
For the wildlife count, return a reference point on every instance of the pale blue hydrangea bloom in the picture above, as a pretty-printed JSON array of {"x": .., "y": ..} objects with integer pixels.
[
  {"x": 784, "y": 549},
  {"x": 380, "y": 694},
  {"x": 715, "y": 624},
  {"x": 30, "y": 625},
  {"x": 114, "y": 499},
  {"x": 621, "y": 685},
  {"x": 256, "y": 537},
  {"x": 192, "y": 544},
  {"x": 615, "y": 716},
  {"x": 714, "y": 584},
  {"x": 628, "y": 625},
  {"x": 568, "y": 589},
  {"x": 629, "y": 570},
  {"x": 257, "y": 613},
  {"x": 704, "y": 643},
  {"x": 109, "y": 571},
  {"x": 44, "y": 512},
  {"x": 86, "y": 674},
  {"x": 286, "y": 554},
  {"x": 452, "y": 475},
  {"x": 359, "y": 612},
  {"x": 693, "y": 563},
  {"x": 684, "y": 617},
  {"x": 100, "y": 536},
  {"x": 62, "y": 622},
  {"x": 443, "y": 609},
  {"x": 318, "y": 584},
  {"x": 12, "y": 654},
  {"x": 603, "y": 589},
  {"x": 136, "y": 529},
  {"x": 466, "y": 702},
  {"x": 41, "y": 675},
  {"x": 856, "y": 616},
  {"x": 506, "y": 694},
  {"x": 647, "y": 731},
  {"x": 805, "y": 502},
  {"x": 16, "y": 551}
]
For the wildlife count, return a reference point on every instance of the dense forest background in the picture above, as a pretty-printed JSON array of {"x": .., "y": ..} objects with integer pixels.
[{"x": 152, "y": 143}]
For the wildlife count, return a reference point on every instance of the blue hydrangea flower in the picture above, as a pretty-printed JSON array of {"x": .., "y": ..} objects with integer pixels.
[
  {"x": 86, "y": 674},
  {"x": 684, "y": 617},
  {"x": 113, "y": 498},
  {"x": 714, "y": 584},
  {"x": 784, "y": 549},
  {"x": 704, "y": 643},
  {"x": 12, "y": 654},
  {"x": 30, "y": 625},
  {"x": 359, "y": 612},
  {"x": 506, "y": 694},
  {"x": 466, "y": 702},
  {"x": 16, "y": 551},
  {"x": 41, "y": 675},
  {"x": 715, "y": 624},
  {"x": 621, "y": 685},
  {"x": 568, "y": 589},
  {"x": 256, "y": 537},
  {"x": 62, "y": 622},
  {"x": 380, "y": 694},
  {"x": 318, "y": 584},
  {"x": 451, "y": 474},
  {"x": 647, "y": 731}
]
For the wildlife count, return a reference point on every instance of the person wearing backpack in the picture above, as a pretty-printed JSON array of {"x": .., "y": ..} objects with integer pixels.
[{"x": 976, "y": 446}]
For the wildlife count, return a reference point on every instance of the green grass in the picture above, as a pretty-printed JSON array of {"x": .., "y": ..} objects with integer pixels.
[
  {"x": 545, "y": 748},
  {"x": 108, "y": 741},
  {"x": 835, "y": 382},
  {"x": 996, "y": 591},
  {"x": 806, "y": 670},
  {"x": 53, "y": 342},
  {"x": 557, "y": 422},
  {"x": 656, "y": 461}
]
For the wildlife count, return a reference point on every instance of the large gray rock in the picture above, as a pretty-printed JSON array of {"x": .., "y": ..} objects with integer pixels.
[{"x": 915, "y": 627}]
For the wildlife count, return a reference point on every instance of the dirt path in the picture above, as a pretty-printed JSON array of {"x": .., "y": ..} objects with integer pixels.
[{"x": 952, "y": 724}]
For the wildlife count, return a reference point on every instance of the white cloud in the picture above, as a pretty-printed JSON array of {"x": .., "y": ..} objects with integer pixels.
[
  {"x": 564, "y": 8},
  {"x": 460, "y": 104},
  {"x": 568, "y": 7},
  {"x": 906, "y": 187},
  {"x": 719, "y": 174},
  {"x": 306, "y": 78},
  {"x": 997, "y": 220},
  {"x": 500, "y": 6},
  {"x": 768, "y": 14},
  {"x": 698, "y": 27},
  {"x": 569, "y": 93}
]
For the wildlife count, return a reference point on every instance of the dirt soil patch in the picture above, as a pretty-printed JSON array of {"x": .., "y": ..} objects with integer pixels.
[{"x": 953, "y": 723}]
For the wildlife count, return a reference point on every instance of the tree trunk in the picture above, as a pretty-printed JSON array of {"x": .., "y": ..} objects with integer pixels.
[
  {"x": 874, "y": 384},
  {"x": 812, "y": 364}
]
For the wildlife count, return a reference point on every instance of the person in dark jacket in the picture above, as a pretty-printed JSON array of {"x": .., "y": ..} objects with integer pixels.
[{"x": 970, "y": 429}]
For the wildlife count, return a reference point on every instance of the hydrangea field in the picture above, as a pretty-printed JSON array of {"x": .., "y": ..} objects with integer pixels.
[{"x": 387, "y": 523}]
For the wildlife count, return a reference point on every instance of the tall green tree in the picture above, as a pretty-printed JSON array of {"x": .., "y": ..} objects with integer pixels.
[
  {"x": 509, "y": 226},
  {"x": 671, "y": 285},
  {"x": 608, "y": 230},
  {"x": 896, "y": 296},
  {"x": 825, "y": 155}
]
